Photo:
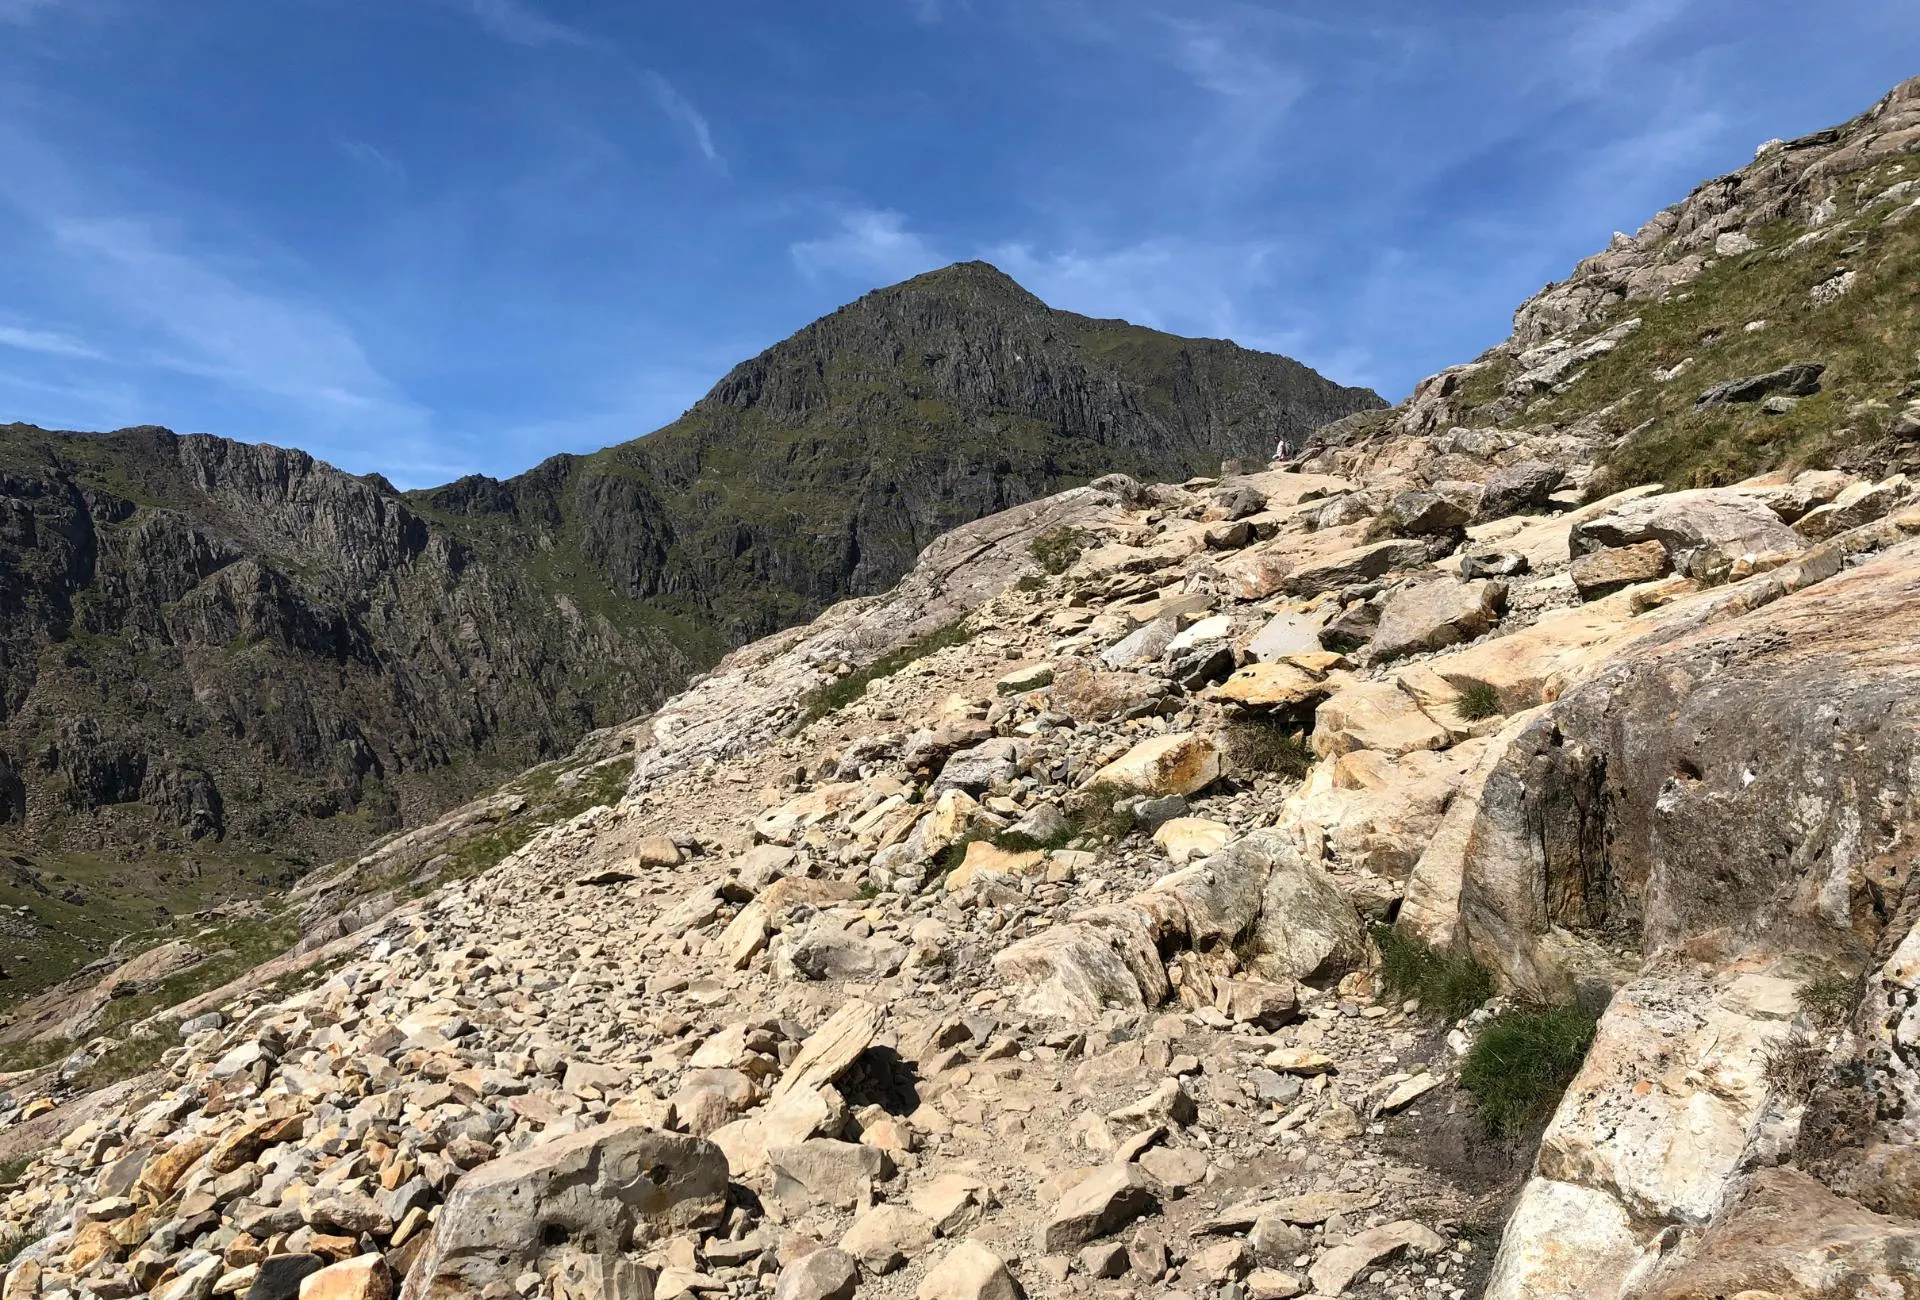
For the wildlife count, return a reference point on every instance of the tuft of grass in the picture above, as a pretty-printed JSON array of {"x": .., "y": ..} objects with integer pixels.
[
  {"x": 1257, "y": 743},
  {"x": 1095, "y": 813},
  {"x": 1793, "y": 1064},
  {"x": 836, "y": 695},
  {"x": 1056, "y": 551},
  {"x": 1030, "y": 582},
  {"x": 1829, "y": 1000},
  {"x": 1522, "y": 1062},
  {"x": 1449, "y": 985},
  {"x": 1478, "y": 700},
  {"x": 11, "y": 1244}
]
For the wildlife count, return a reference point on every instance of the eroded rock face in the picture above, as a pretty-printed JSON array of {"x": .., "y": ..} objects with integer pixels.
[
  {"x": 600, "y": 1191},
  {"x": 1674, "y": 784},
  {"x": 1792, "y": 1238}
]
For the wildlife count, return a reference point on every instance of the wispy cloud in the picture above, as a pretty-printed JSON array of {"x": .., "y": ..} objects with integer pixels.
[
  {"x": 203, "y": 320},
  {"x": 1596, "y": 38},
  {"x": 521, "y": 23},
  {"x": 371, "y": 158},
  {"x": 868, "y": 243},
  {"x": 47, "y": 343},
  {"x": 681, "y": 110}
]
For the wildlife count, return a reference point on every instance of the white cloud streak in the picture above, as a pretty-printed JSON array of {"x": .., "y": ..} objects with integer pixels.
[
  {"x": 49, "y": 343},
  {"x": 372, "y": 158},
  {"x": 520, "y": 23},
  {"x": 680, "y": 109}
]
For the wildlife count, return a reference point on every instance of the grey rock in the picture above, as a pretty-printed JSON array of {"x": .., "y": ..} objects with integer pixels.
[
  {"x": 1801, "y": 379},
  {"x": 822, "y": 1275}
]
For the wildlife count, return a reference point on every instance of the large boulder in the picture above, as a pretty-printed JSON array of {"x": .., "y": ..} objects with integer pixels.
[
  {"x": 1442, "y": 508},
  {"x": 1355, "y": 565},
  {"x": 1089, "y": 695},
  {"x": 1712, "y": 534},
  {"x": 1105, "y": 957},
  {"x": 598, "y": 1192},
  {"x": 1306, "y": 929},
  {"x": 1435, "y": 615}
]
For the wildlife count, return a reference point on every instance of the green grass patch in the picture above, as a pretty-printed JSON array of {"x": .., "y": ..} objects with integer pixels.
[
  {"x": 1478, "y": 700},
  {"x": 1260, "y": 744},
  {"x": 1030, "y": 582},
  {"x": 1055, "y": 551},
  {"x": 1448, "y": 985},
  {"x": 1522, "y": 1062},
  {"x": 1829, "y": 1000},
  {"x": 836, "y": 695}
]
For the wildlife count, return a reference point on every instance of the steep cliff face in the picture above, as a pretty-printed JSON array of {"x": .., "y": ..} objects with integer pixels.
[
  {"x": 225, "y": 661},
  {"x": 211, "y": 642}
]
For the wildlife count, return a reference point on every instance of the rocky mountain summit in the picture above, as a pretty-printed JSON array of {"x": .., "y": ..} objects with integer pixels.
[
  {"x": 1424, "y": 866},
  {"x": 233, "y": 663}
]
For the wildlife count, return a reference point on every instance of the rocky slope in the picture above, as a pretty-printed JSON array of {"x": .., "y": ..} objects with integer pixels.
[
  {"x": 231, "y": 663},
  {"x": 1071, "y": 953}
]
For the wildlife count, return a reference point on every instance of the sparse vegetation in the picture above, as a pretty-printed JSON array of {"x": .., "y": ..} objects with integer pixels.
[
  {"x": 1829, "y": 1000},
  {"x": 1056, "y": 551},
  {"x": 1793, "y": 1064},
  {"x": 1257, "y": 743},
  {"x": 1478, "y": 700},
  {"x": 11, "y": 1244},
  {"x": 1448, "y": 985},
  {"x": 134, "y": 1054},
  {"x": 1522, "y": 1062},
  {"x": 1030, "y": 582},
  {"x": 836, "y": 695}
]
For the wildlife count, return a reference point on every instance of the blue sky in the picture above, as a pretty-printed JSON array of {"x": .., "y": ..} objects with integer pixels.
[{"x": 429, "y": 237}]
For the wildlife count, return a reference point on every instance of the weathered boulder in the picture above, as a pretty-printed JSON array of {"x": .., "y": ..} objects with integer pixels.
[
  {"x": 1181, "y": 763},
  {"x": 1142, "y": 646},
  {"x": 1375, "y": 715},
  {"x": 1524, "y": 485},
  {"x": 883, "y": 1237},
  {"x": 1106, "y": 957},
  {"x": 1439, "y": 508},
  {"x": 969, "y": 1271},
  {"x": 1355, "y": 565},
  {"x": 1712, "y": 534},
  {"x": 1306, "y": 929},
  {"x": 1607, "y": 570},
  {"x": 819, "y": 1275},
  {"x": 1106, "y": 1201},
  {"x": 364, "y": 1277},
  {"x": 601, "y": 1191},
  {"x": 1798, "y": 380},
  {"x": 1089, "y": 695},
  {"x": 1334, "y": 1271},
  {"x": 1435, "y": 615},
  {"x": 825, "y": 1171},
  {"x": 1282, "y": 688}
]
